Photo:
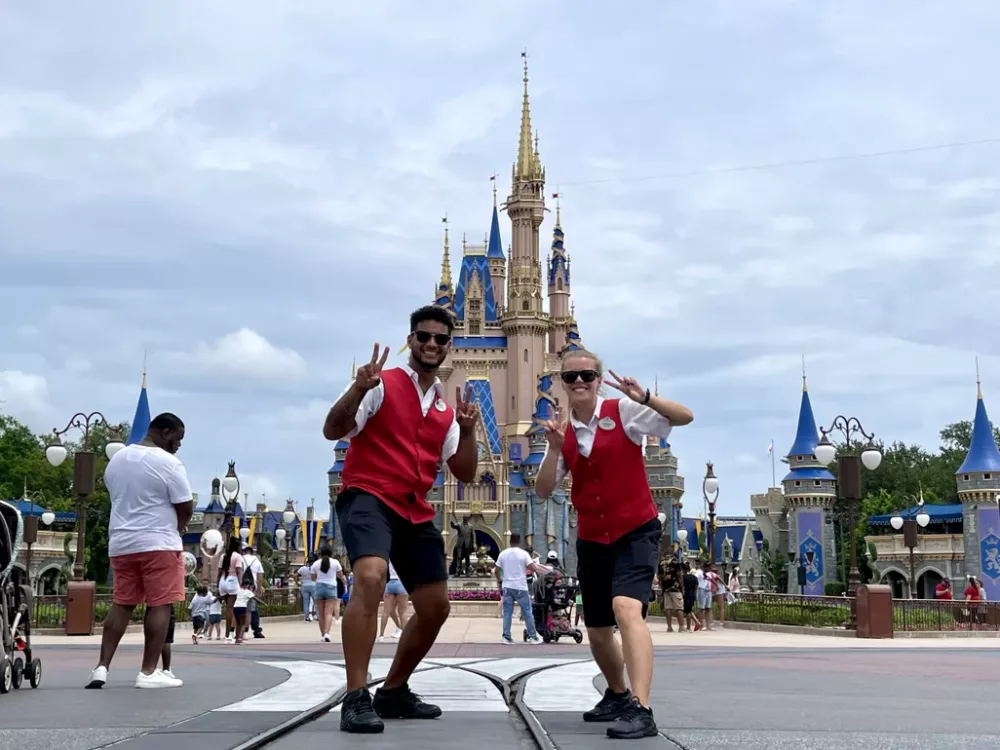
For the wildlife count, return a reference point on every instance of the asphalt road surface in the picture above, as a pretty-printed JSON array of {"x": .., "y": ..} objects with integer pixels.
[{"x": 703, "y": 699}]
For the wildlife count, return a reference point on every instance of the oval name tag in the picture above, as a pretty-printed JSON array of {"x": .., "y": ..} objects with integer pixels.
[
  {"x": 606, "y": 424},
  {"x": 439, "y": 405}
]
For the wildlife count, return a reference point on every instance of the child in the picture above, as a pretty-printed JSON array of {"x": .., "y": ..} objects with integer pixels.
[
  {"x": 215, "y": 617},
  {"x": 200, "y": 604},
  {"x": 243, "y": 598}
]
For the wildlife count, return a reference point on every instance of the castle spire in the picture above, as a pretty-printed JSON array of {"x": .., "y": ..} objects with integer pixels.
[
  {"x": 445, "y": 258},
  {"x": 528, "y": 167},
  {"x": 983, "y": 455},
  {"x": 806, "y": 434}
]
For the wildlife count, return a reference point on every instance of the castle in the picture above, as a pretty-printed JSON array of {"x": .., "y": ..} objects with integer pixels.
[{"x": 507, "y": 346}]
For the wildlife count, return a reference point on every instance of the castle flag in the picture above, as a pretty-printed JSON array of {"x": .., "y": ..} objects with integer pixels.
[{"x": 140, "y": 422}]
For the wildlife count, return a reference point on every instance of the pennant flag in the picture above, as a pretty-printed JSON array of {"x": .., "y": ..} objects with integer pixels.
[
  {"x": 140, "y": 422},
  {"x": 253, "y": 529},
  {"x": 770, "y": 448}
]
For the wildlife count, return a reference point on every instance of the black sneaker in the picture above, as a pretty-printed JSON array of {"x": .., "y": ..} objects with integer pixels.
[
  {"x": 634, "y": 723},
  {"x": 609, "y": 707},
  {"x": 402, "y": 703},
  {"x": 357, "y": 715}
]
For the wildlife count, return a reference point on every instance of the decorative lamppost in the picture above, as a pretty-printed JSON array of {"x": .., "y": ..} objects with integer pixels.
[
  {"x": 288, "y": 516},
  {"x": 910, "y": 526},
  {"x": 710, "y": 493},
  {"x": 81, "y": 596},
  {"x": 30, "y": 524},
  {"x": 849, "y": 484},
  {"x": 230, "y": 493},
  {"x": 682, "y": 535}
]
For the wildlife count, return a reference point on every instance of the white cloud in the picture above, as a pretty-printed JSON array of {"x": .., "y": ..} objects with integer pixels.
[
  {"x": 248, "y": 354},
  {"x": 24, "y": 395}
]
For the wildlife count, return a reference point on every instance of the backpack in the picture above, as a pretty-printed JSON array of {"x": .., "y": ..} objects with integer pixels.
[{"x": 249, "y": 579}]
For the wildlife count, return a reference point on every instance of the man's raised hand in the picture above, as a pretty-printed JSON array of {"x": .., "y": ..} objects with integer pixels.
[
  {"x": 370, "y": 375},
  {"x": 466, "y": 410}
]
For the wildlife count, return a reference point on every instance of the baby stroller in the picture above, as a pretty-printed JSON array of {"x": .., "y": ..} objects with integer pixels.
[
  {"x": 553, "y": 610},
  {"x": 16, "y": 603}
]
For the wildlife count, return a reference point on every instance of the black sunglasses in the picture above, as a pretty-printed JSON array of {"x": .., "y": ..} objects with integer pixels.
[
  {"x": 439, "y": 338},
  {"x": 570, "y": 376}
]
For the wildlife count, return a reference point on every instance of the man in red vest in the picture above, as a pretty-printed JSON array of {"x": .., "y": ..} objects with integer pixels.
[
  {"x": 401, "y": 430},
  {"x": 618, "y": 532}
]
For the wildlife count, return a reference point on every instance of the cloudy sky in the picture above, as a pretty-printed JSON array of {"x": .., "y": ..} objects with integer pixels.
[{"x": 252, "y": 193}]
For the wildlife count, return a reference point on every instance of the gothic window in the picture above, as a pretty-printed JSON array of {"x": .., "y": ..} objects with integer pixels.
[
  {"x": 475, "y": 316},
  {"x": 474, "y": 328},
  {"x": 559, "y": 285},
  {"x": 524, "y": 305},
  {"x": 512, "y": 406},
  {"x": 525, "y": 355}
]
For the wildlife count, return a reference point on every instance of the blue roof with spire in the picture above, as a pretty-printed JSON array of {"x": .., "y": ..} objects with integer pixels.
[
  {"x": 545, "y": 404},
  {"x": 141, "y": 420},
  {"x": 475, "y": 265},
  {"x": 983, "y": 454},
  {"x": 559, "y": 262},
  {"x": 573, "y": 340},
  {"x": 494, "y": 248},
  {"x": 806, "y": 435},
  {"x": 483, "y": 396}
]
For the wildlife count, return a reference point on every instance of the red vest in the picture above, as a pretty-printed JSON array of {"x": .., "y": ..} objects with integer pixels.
[
  {"x": 397, "y": 454},
  {"x": 610, "y": 489}
]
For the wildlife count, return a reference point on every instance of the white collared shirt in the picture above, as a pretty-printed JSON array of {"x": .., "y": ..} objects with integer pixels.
[
  {"x": 372, "y": 402},
  {"x": 637, "y": 420}
]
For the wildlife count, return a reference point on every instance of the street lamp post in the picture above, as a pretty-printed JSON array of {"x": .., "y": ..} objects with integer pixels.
[
  {"x": 81, "y": 596},
  {"x": 288, "y": 516},
  {"x": 710, "y": 493},
  {"x": 30, "y": 525},
  {"x": 230, "y": 493},
  {"x": 849, "y": 484},
  {"x": 682, "y": 536},
  {"x": 910, "y": 526}
]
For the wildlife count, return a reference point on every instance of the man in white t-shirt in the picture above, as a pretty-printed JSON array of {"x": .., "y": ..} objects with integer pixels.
[
  {"x": 513, "y": 565},
  {"x": 151, "y": 505}
]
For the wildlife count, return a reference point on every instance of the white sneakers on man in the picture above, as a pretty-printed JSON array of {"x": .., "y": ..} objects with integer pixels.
[
  {"x": 159, "y": 679},
  {"x": 97, "y": 678}
]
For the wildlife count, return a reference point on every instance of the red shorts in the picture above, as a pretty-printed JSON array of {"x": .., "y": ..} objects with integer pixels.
[{"x": 156, "y": 578}]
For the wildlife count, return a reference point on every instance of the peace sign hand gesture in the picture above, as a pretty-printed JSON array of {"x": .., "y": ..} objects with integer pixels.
[
  {"x": 629, "y": 386},
  {"x": 555, "y": 432},
  {"x": 466, "y": 410},
  {"x": 370, "y": 375}
]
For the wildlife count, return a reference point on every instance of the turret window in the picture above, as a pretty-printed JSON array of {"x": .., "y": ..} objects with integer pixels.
[
  {"x": 559, "y": 285},
  {"x": 524, "y": 305},
  {"x": 525, "y": 355},
  {"x": 512, "y": 404}
]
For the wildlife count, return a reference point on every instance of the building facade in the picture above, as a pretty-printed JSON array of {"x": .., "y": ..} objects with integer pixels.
[{"x": 515, "y": 320}]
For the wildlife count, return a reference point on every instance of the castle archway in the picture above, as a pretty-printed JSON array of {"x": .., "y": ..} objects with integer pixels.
[
  {"x": 897, "y": 581},
  {"x": 927, "y": 582}
]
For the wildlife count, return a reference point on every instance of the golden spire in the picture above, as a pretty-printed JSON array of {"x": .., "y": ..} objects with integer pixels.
[
  {"x": 526, "y": 159},
  {"x": 979, "y": 385},
  {"x": 804, "y": 388},
  {"x": 144, "y": 369},
  {"x": 445, "y": 258},
  {"x": 557, "y": 195},
  {"x": 493, "y": 179}
]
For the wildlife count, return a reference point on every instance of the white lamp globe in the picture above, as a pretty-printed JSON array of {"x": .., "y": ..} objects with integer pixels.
[
  {"x": 244, "y": 533},
  {"x": 112, "y": 448},
  {"x": 871, "y": 457},
  {"x": 280, "y": 534},
  {"x": 825, "y": 452},
  {"x": 896, "y": 522},
  {"x": 56, "y": 454},
  {"x": 662, "y": 518},
  {"x": 682, "y": 535},
  {"x": 923, "y": 518},
  {"x": 288, "y": 516},
  {"x": 230, "y": 484},
  {"x": 211, "y": 542},
  {"x": 711, "y": 485},
  {"x": 48, "y": 517}
]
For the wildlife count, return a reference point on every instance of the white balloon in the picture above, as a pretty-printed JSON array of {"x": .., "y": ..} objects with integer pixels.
[
  {"x": 211, "y": 542},
  {"x": 190, "y": 563}
]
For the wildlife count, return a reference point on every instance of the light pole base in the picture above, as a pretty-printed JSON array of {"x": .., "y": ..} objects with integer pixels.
[{"x": 81, "y": 605}]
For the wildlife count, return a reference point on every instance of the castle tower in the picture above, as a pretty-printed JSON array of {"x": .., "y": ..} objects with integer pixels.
[
  {"x": 524, "y": 322},
  {"x": 494, "y": 253},
  {"x": 558, "y": 273},
  {"x": 661, "y": 473},
  {"x": 810, "y": 493},
  {"x": 978, "y": 480}
]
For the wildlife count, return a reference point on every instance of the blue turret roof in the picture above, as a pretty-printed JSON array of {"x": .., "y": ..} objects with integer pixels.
[
  {"x": 214, "y": 506},
  {"x": 573, "y": 341},
  {"x": 141, "y": 420},
  {"x": 983, "y": 454},
  {"x": 494, "y": 249},
  {"x": 483, "y": 396},
  {"x": 806, "y": 435},
  {"x": 559, "y": 263}
]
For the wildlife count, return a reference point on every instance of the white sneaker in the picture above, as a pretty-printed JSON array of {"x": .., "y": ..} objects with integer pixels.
[
  {"x": 97, "y": 678},
  {"x": 156, "y": 681},
  {"x": 326, "y": 638},
  {"x": 507, "y": 641},
  {"x": 172, "y": 676},
  {"x": 397, "y": 634},
  {"x": 535, "y": 641}
]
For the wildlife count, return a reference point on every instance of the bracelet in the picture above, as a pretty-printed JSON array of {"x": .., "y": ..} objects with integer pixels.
[{"x": 646, "y": 400}]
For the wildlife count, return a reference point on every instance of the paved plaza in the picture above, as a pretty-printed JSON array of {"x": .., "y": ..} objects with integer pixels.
[{"x": 712, "y": 690}]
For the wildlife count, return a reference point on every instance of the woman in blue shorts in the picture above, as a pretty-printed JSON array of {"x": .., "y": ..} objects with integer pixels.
[
  {"x": 394, "y": 604},
  {"x": 327, "y": 573}
]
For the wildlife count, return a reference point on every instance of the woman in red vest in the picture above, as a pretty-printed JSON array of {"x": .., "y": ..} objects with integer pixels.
[
  {"x": 618, "y": 532},
  {"x": 401, "y": 430}
]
